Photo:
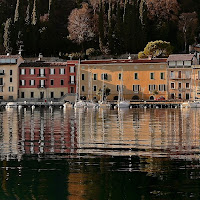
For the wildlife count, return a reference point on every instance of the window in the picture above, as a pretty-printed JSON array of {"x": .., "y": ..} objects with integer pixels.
[
  {"x": 72, "y": 89},
  {"x": 61, "y": 94},
  {"x": 52, "y": 94},
  {"x": 104, "y": 76},
  {"x": 179, "y": 74},
  {"x": 62, "y": 71},
  {"x": 1, "y": 97},
  {"x": 162, "y": 87},
  {"x": 1, "y": 89},
  {"x": 187, "y": 85},
  {"x": 10, "y": 89},
  {"x": 198, "y": 75},
  {"x": 23, "y": 71},
  {"x": 136, "y": 76},
  {"x": 72, "y": 69},
  {"x": 22, "y": 82},
  {"x": 42, "y": 83},
  {"x": 83, "y": 77},
  {"x": 61, "y": 82},
  {"x": 95, "y": 77},
  {"x": 52, "y": 71},
  {"x": 32, "y": 94},
  {"x": 187, "y": 74},
  {"x": 1, "y": 81},
  {"x": 120, "y": 76},
  {"x": 72, "y": 79},
  {"x": 42, "y": 72},
  {"x": 32, "y": 82},
  {"x": 52, "y": 82},
  {"x": 172, "y": 85},
  {"x": 136, "y": 88},
  {"x": 162, "y": 75},
  {"x": 172, "y": 74},
  {"x": 151, "y": 75},
  {"x": 22, "y": 95},
  {"x": 83, "y": 88},
  {"x": 152, "y": 88},
  {"x": 11, "y": 79},
  {"x": 32, "y": 71},
  {"x": 94, "y": 88},
  {"x": 119, "y": 87},
  {"x": 180, "y": 96},
  {"x": 179, "y": 85},
  {"x": 1, "y": 72},
  {"x": 11, "y": 72},
  {"x": 187, "y": 96}
]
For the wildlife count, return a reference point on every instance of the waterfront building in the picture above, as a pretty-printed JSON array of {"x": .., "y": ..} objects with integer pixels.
[
  {"x": 180, "y": 76},
  {"x": 142, "y": 79},
  {"x": 9, "y": 77},
  {"x": 47, "y": 81}
]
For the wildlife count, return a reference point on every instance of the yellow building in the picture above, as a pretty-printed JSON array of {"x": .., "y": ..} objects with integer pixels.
[
  {"x": 140, "y": 79},
  {"x": 180, "y": 76},
  {"x": 9, "y": 77}
]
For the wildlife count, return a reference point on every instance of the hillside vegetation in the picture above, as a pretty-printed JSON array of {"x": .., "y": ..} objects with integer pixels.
[{"x": 62, "y": 27}]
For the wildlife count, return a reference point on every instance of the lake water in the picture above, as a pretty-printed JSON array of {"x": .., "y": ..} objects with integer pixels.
[{"x": 87, "y": 154}]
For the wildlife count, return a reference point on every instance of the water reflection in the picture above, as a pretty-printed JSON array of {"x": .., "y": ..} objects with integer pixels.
[
  {"x": 148, "y": 132},
  {"x": 99, "y": 154}
]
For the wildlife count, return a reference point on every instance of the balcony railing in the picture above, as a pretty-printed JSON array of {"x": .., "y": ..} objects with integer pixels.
[
  {"x": 41, "y": 86},
  {"x": 72, "y": 82},
  {"x": 41, "y": 75}
]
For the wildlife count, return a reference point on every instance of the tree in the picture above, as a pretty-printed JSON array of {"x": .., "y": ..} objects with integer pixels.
[
  {"x": 188, "y": 24},
  {"x": 105, "y": 92},
  {"x": 157, "y": 48},
  {"x": 80, "y": 25},
  {"x": 163, "y": 9},
  {"x": 6, "y": 36}
]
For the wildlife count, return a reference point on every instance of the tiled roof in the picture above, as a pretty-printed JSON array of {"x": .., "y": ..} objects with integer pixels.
[
  {"x": 180, "y": 57},
  {"x": 9, "y": 56},
  {"x": 43, "y": 64},
  {"x": 111, "y": 61}
]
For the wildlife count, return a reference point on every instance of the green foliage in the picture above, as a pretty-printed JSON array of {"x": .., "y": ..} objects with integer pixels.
[
  {"x": 105, "y": 92},
  {"x": 157, "y": 48}
]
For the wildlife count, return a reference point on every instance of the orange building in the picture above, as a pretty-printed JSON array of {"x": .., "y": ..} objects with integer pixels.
[{"x": 140, "y": 79}]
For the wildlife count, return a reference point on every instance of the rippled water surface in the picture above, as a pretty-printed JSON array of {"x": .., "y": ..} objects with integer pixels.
[{"x": 86, "y": 154}]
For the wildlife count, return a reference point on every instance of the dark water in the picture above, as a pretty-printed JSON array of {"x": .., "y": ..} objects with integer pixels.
[{"x": 99, "y": 154}]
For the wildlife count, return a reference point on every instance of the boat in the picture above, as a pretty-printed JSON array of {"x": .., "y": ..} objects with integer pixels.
[
  {"x": 121, "y": 102},
  {"x": 90, "y": 103},
  {"x": 78, "y": 102},
  {"x": 192, "y": 104},
  {"x": 103, "y": 103}
]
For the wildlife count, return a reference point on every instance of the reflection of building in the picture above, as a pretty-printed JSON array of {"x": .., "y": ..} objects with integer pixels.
[
  {"x": 140, "y": 78},
  {"x": 9, "y": 78},
  {"x": 46, "y": 132}
]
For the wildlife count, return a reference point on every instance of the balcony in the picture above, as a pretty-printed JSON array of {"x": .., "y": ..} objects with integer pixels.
[
  {"x": 180, "y": 77},
  {"x": 41, "y": 86},
  {"x": 41, "y": 75},
  {"x": 2, "y": 73},
  {"x": 72, "y": 82}
]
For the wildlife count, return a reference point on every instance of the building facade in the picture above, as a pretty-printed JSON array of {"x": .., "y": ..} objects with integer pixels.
[
  {"x": 140, "y": 79},
  {"x": 9, "y": 77},
  {"x": 181, "y": 76},
  {"x": 47, "y": 81}
]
